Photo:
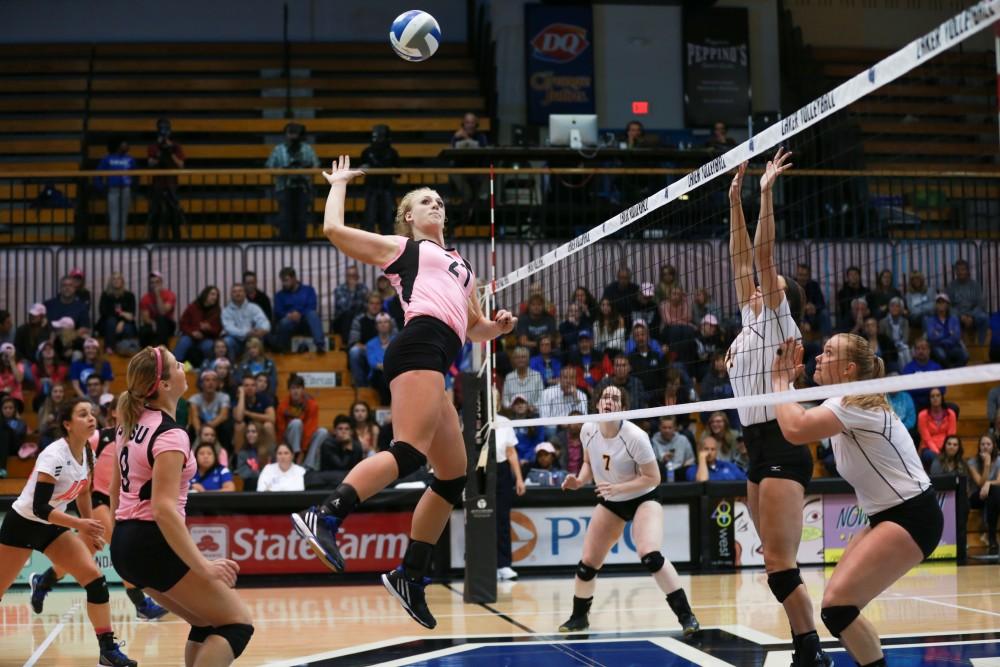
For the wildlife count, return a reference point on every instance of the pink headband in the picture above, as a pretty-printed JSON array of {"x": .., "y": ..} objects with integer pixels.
[{"x": 159, "y": 371}]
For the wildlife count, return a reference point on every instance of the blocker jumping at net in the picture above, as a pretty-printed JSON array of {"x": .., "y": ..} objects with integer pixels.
[
  {"x": 436, "y": 287},
  {"x": 618, "y": 456},
  {"x": 875, "y": 454},
  {"x": 778, "y": 471}
]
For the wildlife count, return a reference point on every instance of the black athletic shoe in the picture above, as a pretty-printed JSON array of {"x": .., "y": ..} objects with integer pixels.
[
  {"x": 411, "y": 595},
  {"x": 821, "y": 659},
  {"x": 319, "y": 529},
  {"x": 38, "y": 593},
  {"x": 689, "y": 624},
  {"x": 575, "y": 624},
  {"x": 113, "y": 657}
]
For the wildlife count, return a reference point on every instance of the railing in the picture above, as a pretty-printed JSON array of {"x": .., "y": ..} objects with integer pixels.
[{"x": 535, "y": 203}]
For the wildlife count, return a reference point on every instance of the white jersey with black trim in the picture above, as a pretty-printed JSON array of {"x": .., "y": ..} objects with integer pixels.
[
  {"x": 71, "y": 477},
  {"x": 617, "y": 459},
  {"x": 875, "y": 455},
  {"x": 751, "y": 356}
]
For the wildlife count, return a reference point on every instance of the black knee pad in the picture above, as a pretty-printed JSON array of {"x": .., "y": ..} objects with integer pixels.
[
  {"x": 585, "y": 572},
  {"x": 653, "y": 561},
  {"x": 836, "y": 619},
  {"x": 97, "y": 591},
  {"x": 199, "y": 633},
  {"x": 449, "y": 489},
  {"x": 408, "y": 459},
  {"x": 784, "y": 583},
  {"x": 237, "y": 634}
]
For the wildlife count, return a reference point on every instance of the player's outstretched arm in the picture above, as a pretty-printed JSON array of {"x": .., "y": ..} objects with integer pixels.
[
  {"x": 355, "y": 243},
  {"x": 740, "y": 250},
  {"x": 763, "y": 247},
  {"x": 482, "y": 328}
]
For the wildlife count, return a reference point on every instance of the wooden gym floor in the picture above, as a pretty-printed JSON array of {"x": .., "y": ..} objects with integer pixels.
[{"x": 938, "y": 614}]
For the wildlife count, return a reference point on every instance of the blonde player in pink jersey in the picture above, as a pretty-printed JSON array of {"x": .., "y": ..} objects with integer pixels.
[
  {"x": 38, "y": 521},
  {"x": 102, "y": 443},
  {"x": 436, "y": 288},
  {"x": 151, "y": 546}
]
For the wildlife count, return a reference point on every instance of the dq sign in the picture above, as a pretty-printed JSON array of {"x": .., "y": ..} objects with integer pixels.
[{"x": 560, "y": 43}]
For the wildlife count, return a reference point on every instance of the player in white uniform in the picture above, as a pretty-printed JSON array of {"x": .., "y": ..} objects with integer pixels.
[
  {"x": 875, "y": 454},
  {"x": 38, "y": 521},
  {"x": 618, "y": 456},
  {"x": 778, "y": 471}
]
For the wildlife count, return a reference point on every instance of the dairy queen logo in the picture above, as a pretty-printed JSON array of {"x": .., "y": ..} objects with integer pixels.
[{"x": 560, "y": 43}]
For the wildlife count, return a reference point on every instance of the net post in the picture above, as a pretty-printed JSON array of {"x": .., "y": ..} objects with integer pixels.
[{"x": 480, "y": 494}]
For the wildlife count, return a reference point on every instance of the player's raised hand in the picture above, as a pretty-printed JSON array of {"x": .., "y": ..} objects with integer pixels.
[
  {"x": 775, "y": 167},
  {"x": 736, "y": 185},
  {"x": 341, "y": 171},
  {"x": 787, "y": 363}
]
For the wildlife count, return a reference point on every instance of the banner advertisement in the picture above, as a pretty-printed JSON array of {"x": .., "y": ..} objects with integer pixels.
[
  {"x": 716, "y": 67},
  {"x": 559, "y": 61},
  {"x": 843, "y": 519},
  {"x": 554, "y": 536},
  {"x": 733, "y": 540},
  {"x": 268, "y": 544}
]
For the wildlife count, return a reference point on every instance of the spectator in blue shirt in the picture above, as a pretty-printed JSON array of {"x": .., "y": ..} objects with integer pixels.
[
  {"x": 545, "y": 362},
  {"x": 375, "y": 352},
  {"x": 944, "y": 333},
  {"x": 710, "y": 468},
  {"x": 295, "y": 312},
  {"x": 90, "y": 364},
  {"x": 211, "y": 475},
  {"x": 921, "y": 363},
  {"x": 68, "y": 304},
  {"x": 118, "y": 188}
]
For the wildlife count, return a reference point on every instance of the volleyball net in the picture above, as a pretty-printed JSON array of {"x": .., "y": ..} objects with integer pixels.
[{"x": 894, "y": 154}]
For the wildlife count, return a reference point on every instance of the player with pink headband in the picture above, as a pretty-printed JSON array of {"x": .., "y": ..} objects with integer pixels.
[
  {"x": 151, "y": 546},
  {"x": 436, "y": 286}
]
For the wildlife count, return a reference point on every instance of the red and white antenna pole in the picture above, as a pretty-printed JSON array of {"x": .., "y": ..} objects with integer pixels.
[{"x": 491, "y": 300}]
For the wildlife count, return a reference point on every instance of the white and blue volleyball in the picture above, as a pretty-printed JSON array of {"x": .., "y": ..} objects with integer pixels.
[{"x": 415, "y": 35}]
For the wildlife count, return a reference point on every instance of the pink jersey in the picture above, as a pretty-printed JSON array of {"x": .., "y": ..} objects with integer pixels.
[
  {"x": 155, "y": 433},
  {"x": 432, "y": 280},
  {"x": 103, "y": 444}
]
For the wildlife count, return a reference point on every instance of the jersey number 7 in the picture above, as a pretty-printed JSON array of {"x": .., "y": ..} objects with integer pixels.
[{"x": 607, "y": 461}]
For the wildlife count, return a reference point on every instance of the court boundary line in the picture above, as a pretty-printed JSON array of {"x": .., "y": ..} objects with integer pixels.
[
  {"x": 66, "y": 615},
  {"x": 956, "y": 606}
]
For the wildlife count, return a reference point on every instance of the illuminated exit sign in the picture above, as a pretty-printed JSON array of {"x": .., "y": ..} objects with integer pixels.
[{"x": 640, "y": 107}]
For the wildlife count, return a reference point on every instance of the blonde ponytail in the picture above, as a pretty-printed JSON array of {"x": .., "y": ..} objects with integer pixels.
[
  {"x": 870, "y": 367},
  {"x": 142, "y": 382}
]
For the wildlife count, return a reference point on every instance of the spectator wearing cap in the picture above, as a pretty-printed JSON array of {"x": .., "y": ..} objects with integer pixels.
[
  {"x": 921, "y": 363},
  {"x": 527, "y": 436},
  {"x": 544, "y": 467},
  {"x": 522, "y": 381},
  {"x": 30, "y": 335},
  {"x": 623, "y": 292},
  {"x": 944, "y": 333},
  {"x": 6, "y": 327},
  {"x": 157, "y": 318},
  {"x": 47, "y": 370},
  {"x": 201, "y": 326},
  {"x": 92, "y": 363},
  {"x": 375, "y": 355},
  {"x": 708, "y": 342},
  {"x": 645, "y": 356},
  {"x": 68, "y": 344},
  {"x": 919, "y": 299},
  {"x": 79, "y": 277},
  {"x": 11, "y": 374},
  {"x": 295, "y": 312},
  {"x": 68, "y": 304},
  {"x": 546, "y": 361},
  {"x": 569, "y": 328},
  {"x": 255, "y": 295},
  {"x": 591, "y": 366},
  {"x": 967, "y": 299},
  {"x": 535, "y": 324},
  {"x": 117, "y": 312},
  {"x": 646, "y": 308},
  {"x": 242, "y": 320},
  {"x": 297, "y": 420}
]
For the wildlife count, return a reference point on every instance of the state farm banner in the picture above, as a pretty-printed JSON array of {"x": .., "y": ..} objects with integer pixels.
[
  {"x": 554, "y": 536},
  {"x": 559, "y": 60},
  {"x": 268, "y": 544},
  {"x": 716, "y": 67}
]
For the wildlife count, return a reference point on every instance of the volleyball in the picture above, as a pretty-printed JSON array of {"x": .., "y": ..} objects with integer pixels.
[{"x": 415, "y": 35}]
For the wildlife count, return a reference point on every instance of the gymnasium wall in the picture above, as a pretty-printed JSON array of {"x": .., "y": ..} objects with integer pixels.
[{"x": 215, "y": 21}]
